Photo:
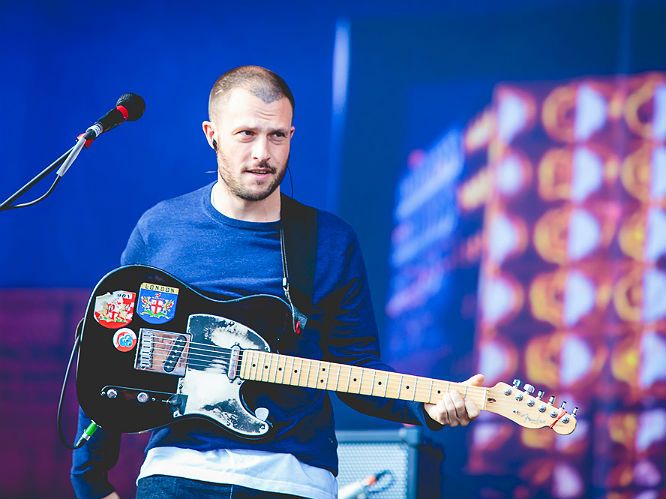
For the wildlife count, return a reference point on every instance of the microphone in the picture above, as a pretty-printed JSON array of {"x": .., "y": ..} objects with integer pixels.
[{"x": 130, "y": 107}]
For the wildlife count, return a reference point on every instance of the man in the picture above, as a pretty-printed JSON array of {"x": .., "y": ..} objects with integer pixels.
[{"x": 226, "y": 240}]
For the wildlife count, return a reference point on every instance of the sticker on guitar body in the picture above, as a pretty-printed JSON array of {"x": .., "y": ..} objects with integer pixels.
[
  {"x": 124, "y": 340},
  {"x": 114, "y": 310},
  {"x": 157, "y": 304}
]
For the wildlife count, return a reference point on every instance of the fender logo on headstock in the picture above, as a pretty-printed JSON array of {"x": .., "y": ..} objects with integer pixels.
[{"x": 529, "y": 419}]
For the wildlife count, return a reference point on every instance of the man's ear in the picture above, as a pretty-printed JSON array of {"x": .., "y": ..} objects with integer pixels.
[{"x": 209, "y": 131}]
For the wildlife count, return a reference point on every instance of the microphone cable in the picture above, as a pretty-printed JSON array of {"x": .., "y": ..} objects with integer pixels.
[{"x": 93, "y": 426}]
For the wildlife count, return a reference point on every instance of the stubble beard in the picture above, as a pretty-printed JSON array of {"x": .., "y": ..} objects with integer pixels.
[{"x": 236, "y": 189}]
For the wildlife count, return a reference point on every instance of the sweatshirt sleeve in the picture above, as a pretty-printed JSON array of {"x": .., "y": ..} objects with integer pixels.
[
  {"x": 92, "y": 462},
  {"x": 135, "y": 251},
  {"x": 353, "y": 340}
]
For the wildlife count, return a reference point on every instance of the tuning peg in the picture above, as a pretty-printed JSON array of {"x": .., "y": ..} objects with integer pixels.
[
  {"x": 551, "y": 399},
  {"x": 575, "y": 411},
  {"x": 516, "y": 383},
  {"x": 563, "y": 404},
  {"x": 540, "y": 394},
  {"x": 528, "y": 389}
]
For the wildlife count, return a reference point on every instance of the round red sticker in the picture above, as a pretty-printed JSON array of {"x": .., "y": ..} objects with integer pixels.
[{"x": 124, "y": 339}]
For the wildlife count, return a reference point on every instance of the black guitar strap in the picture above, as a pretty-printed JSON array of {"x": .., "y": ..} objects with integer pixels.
[{"x": 299, "y": 240}]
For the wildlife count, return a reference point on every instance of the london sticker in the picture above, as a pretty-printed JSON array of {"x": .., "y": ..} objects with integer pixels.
[{"x": 157, "y": 303}]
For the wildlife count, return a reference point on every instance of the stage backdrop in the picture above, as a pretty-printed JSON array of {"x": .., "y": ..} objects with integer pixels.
[
  {"x": 573, "y": 282},
  {"x": 520, "y": 231}
]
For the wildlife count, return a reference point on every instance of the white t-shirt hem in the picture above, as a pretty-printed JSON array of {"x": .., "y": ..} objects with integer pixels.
[{"x": 210, "y": 467}]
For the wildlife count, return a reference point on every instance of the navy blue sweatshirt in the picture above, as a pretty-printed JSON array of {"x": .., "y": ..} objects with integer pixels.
[{"x": 226, "y": 258}]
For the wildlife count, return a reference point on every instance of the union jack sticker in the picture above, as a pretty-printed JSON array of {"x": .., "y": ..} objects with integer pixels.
[
  {"x": 115, "y": 310},
  {"x": 157, "y": 303}
]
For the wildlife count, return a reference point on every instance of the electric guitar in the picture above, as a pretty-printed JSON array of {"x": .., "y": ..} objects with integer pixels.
[{"x": 153, "y": 350}]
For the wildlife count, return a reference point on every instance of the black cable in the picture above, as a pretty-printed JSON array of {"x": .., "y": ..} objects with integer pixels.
[
  {"x": 381, "y": 487},
  {"x": 75, "y": 348},
  {"x": 7, "y": 203},
  {"x": 291, "y": 182},
  {"x": 35, "y": 201}
]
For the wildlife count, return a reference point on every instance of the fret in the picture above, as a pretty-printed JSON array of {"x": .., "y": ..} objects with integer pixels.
[
  {"x": 355, "y": 380},
  {"x": 367, "y": 385},
  {"x": 349, "y": 375},
  {"x": 265, "y": 366},
  {"x": 330, "y": 385},
  {"x": 272, "y": 371},
  {"x": 432, "y": 382},
  {"x": 262, "y": 368},
  {"x": 438, "y": 395},
  {"x": 290, "y": 368},
  {"x": 408, "y": 391},
  {"x": 324, "y": 372},
  {"x": 313, "y": 376},
  {"x": 244, "y": 370},
  {"x": 402, "y": 377},
  {"x": 419, "y": 390},
  {"x": 282, "y": 360},
  {"x": 381, "y": 378},
  {"x": 255, "y": 364},
  {"x": 309, "y": 372},
  {"x": 393, "y": 385},
  {"x": 298, "y": 371}
]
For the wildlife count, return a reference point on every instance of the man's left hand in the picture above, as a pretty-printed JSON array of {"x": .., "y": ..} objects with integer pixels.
[{"x": 453, "y": 410}]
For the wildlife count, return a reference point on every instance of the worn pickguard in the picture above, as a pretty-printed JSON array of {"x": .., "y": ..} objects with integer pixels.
[{"x": 210, "y": 391}]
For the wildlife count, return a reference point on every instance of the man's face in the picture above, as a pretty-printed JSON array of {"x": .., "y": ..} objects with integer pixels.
[{"x": 253, "y": 140}]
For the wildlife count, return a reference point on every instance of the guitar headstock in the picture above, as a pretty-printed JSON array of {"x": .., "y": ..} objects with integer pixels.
[{"x": 521, "y": 407}]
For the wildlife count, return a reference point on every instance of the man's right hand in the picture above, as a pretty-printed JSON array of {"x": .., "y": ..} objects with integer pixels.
[{"x": 112, "y": 495}]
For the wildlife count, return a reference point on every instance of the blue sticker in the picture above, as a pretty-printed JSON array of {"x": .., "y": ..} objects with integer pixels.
[{"x": 157, "y": 304}]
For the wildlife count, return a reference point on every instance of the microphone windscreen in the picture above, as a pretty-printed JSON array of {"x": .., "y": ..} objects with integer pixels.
[{"x": 134, "y": 104}]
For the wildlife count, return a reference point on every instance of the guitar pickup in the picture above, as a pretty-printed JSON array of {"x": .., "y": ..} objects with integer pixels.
[{"x": 163, "y": 352}]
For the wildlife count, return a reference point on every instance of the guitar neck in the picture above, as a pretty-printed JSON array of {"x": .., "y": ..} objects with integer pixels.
[{"x": 286, "y": 370}]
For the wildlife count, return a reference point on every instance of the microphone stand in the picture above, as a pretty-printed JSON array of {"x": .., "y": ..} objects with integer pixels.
[{"x": 64, "y": 162}]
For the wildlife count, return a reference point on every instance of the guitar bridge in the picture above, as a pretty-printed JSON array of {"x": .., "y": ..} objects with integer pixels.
[{"x": 162, "y": 352}]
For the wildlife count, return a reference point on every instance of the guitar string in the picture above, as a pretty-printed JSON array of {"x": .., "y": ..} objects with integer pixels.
[
  {"x": 170, "y": 338},
  {"x": 201, "y": 362},
  {"x": 224, "y": 354},
  {"x": 212, "y": 351},
  {"x": 165, "y": 351},
  {"x": 219, "y": 370},
  {"x": 206, "y": 346},
  {"x": 216, "y": 352},
  {"x": 501, "y": 404}
]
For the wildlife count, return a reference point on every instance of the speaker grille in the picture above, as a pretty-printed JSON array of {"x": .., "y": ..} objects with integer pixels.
[
  {"x": 358, "y": 460},
  {"x": 414, "y": 462}
]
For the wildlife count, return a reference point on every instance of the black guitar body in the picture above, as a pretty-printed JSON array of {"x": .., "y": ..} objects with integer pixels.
[{"x": 154, "y": 350}]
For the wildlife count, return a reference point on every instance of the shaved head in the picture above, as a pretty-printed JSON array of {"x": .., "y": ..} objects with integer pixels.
[{"x": 260, "y": 82}]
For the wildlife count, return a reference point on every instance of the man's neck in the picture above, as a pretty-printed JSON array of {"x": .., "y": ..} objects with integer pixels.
[{"x": 266, "y": 210}]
